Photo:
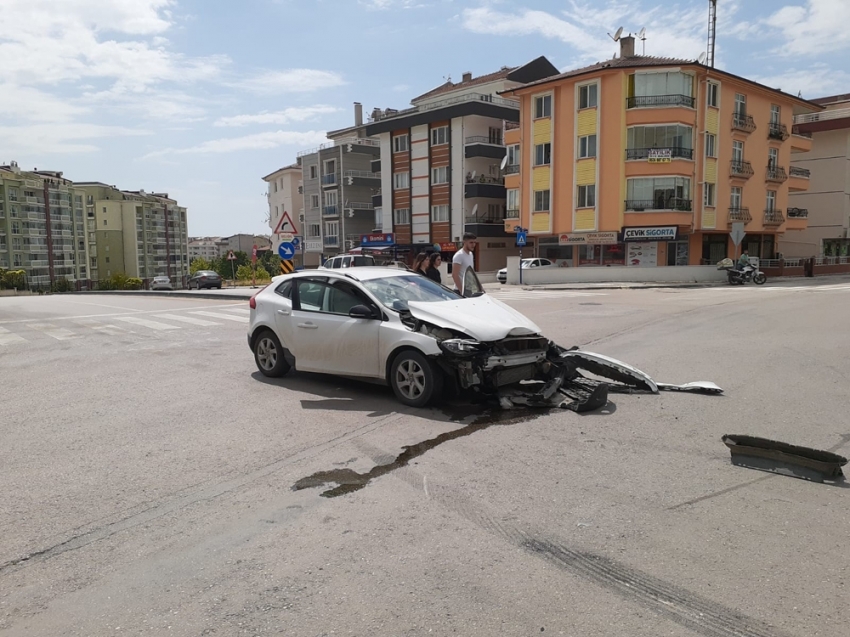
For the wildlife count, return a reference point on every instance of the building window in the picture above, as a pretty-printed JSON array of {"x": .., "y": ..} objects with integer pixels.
[
  {"x": 331, "y": 198},
  {"x": 439, "y": 213},
  {"x": 542, "y": 154},
  {"x": 587, "y": 146},
  {"x": 314, "y": 172},
  {"x": 708, "y": 195},
  {"x": 710, "y": 145},
  {"x": 439, "y": 136},
  {"x": 770, "y": 203},
  {"x": 513, "y": 199},
  {"x": 16, "y": 227},
  {"x": 401, "y": 216},
  {"x": 276, "y": 213},
  {"x": 275, "y": 185},
  {"x": 401, "y": 180},
  {"x": 735, "y": 198},
  {"x": 332, "y": 229},
  {"x": 543, "y": 106},
  {"x": 658, "y": 193},
  {"x": 330, "y": 167},
  {"x": 713, "y": 94},
  {"x": 740, "y": 104},
  {"x": 440, "y": 175},
  {"x": 676, "y": 137},
  {"x": 673, "y": 83},
  {"x": 13, "y": 194},
  {"x": 541, "y": 200},
  {"x": 513, "y": 155},
  {"x": 587, "y": 196},
  {"x": 401, "y": 143},
  {"x": 772, "y": 158},
  {"x": 314, "y": 201},
  {"x": 107, "y": 259},
  {"x": 104, "y": 222},
  {"x": 774, "y": 114},
  {"x": 587, "y": 96},
  {"x": 315, "y": 230},
  {"x": 737, "y": 151}
]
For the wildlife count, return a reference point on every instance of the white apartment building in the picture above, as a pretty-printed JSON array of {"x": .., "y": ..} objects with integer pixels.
[{"x": 285, "y": 195}]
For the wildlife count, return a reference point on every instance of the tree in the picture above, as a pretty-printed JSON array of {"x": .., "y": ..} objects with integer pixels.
[
  {"x": 269, "y": 261},
  {"x": 223, "y": 267},
  {"x": 199, "y": 263}
]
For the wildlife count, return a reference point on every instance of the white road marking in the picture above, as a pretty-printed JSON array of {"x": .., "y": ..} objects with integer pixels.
[
  {"x": 105, "y": 328},
  {"x": 240, "y": 310},
  {"x": 7, "y": 337},
  {"x": 229, "y": 317},
  {"x": 186, "y": 319},
  {"x": 154, "y": 325},
  {"x": 59, "y": 333}
]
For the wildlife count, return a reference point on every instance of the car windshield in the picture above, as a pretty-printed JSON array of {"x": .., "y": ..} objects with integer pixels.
[{"x": 395, "y": 291}]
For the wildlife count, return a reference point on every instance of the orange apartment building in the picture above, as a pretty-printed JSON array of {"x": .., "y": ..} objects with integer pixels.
[{"x": 647, "y": 161}]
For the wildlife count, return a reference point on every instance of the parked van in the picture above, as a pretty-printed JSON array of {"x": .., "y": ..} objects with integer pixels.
[{"x": 348, "y": 261}]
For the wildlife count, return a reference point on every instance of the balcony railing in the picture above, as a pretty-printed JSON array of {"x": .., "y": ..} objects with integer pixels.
[
  {"x": 329, "y": 180},
  {"x": 362, "y": 174},
  {"x": 485, "y": 179},
  {"x": 512, "y": 169},
  {"x": 740, "y": 214},
  {"x": 511, "y": 125},
  {"x": 483, "y": 139},
  {"x": 800, "y": 172},
  {"x": 330, "y": 211},
  {"x": 662, "y": 203},
  {"x": 775, "y": 130},
  {"x": 740, "y": 168},
  {"x": 675, "y": 151},
  {"x": 797, "y": 213},
  {"x": 494, "y": 217},
  {"x": 773, "y": 218},
  {"x": 331, "y": 242},
  {"x": 650, "y": 101},
  {"x": 511, "y": 214},
  {"x": 359, "y": 205},
  {"x": 776, "y": 174},
  {"x": 744, "y": 122},
  {"x": 806, "y": 118}
]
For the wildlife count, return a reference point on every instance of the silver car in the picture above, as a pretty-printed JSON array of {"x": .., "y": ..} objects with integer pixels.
[{"x": 161, "y": 283}]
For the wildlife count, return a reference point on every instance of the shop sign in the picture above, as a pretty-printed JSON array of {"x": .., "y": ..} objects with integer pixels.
[
  {"x": 588, "y": 238},
  {"x": 448, "y": 247},
  {"x": 376, "y": 240},
  {"x": 313, "y": 246},
  {"x": 660, "y": 155},
  {"x": 642, "y": 255},
  {"x": 657, "y": 233}
]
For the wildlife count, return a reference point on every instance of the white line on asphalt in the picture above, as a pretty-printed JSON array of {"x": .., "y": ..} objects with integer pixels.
[
  {"x": 230, "y": 317},
  {"x": 240, "y": 310},
  {"x": 186, "y": 319},
  {"x": 106, "y": 328},
  {"x": 113, "y": 314},
  {"x": 7, "y": 338},
  {"x": 59, "y": 333},
  {"x": 154, "y": 325}
]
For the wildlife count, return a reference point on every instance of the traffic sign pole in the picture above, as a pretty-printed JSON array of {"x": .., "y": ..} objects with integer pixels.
[{"x": 521, "y": 241}]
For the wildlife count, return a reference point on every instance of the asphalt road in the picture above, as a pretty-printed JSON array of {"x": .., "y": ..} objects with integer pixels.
[{"x": 155, "y": 484}]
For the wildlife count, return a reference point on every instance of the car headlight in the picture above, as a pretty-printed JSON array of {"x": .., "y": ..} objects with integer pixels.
[{"x": 461, "y": 346}]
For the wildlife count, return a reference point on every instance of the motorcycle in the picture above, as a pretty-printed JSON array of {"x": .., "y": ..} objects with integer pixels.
[{"x": 740, "y": 277}]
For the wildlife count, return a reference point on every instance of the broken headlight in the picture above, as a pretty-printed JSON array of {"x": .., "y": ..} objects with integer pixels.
[{"x": 462, "y": 346}]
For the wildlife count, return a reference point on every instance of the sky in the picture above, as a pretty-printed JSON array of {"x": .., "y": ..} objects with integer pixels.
[{"x": 202, "y": 98}]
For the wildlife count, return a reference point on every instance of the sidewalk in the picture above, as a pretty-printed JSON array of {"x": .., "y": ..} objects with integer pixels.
[{"x": 605, "y": 286}]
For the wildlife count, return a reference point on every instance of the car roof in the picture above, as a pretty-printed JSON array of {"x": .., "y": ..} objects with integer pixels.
[{"x": 363, "y": 273}]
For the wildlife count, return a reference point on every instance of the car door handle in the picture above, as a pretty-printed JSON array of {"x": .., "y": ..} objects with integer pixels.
[
  {"x": 309, "y": 326},
  {"x": 284, "y": 312}
]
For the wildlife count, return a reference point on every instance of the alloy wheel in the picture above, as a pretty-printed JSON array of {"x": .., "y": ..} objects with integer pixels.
[
  {"x": 266, "y": 353},
  {"x": 410, "y": 379}
]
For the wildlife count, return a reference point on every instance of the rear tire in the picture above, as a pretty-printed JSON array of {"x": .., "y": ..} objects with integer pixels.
[
  {"x": 268, "y": 355},
  {"x": 414, "y": 380},
  {"x": 760, "y": 279}
]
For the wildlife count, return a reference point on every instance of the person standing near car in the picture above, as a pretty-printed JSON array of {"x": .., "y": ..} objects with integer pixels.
[
  {"x": 463, "y": 259},
  {"x": 419, "y": 263},
  {"x": 433, "y": 272}
]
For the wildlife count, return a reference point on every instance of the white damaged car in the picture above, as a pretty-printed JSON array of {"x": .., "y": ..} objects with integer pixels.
[{"x": 423, "y": 340}]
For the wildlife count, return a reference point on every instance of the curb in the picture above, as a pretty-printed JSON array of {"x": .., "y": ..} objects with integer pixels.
[{"x": 177, "y": 295}]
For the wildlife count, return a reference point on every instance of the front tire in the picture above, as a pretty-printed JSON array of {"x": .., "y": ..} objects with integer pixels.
[
  {"x": 268, "y": 355},
  {"x": 760, "y": 279},
  {"x": 414, "y": 380}
]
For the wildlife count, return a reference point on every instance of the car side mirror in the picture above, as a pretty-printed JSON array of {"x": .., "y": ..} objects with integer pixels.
[{"x": 361, "y": 312}]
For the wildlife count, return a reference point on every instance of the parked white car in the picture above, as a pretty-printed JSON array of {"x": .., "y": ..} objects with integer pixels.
[
  {"x": 161, "y": 283},
  {"x": 502, "y": 275}
]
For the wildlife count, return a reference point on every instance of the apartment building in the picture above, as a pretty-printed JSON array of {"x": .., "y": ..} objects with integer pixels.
[
  {"x": 338, "y": 181},
  {"x": 440, "y": 163},
  {"x": 646, "y": 161},
  {"x": 208, "y": 248},
  {"x": 136, "y": 233},
  {"x": 41, "y": 227},
  {"x": 827, "y": 167},
  {"x": 243, "y": 243},
  {"x": 285, "y": 197}
]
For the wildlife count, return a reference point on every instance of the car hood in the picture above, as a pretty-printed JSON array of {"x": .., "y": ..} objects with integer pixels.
[{"x": 482, "y": 318}]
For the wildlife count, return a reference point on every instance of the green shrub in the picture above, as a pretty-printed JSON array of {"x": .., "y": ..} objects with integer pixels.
[
  {"x": 119, "y": 279},
  {"x": 133, "y": 283},
  {"x": 13, "y": 279},
  {"x": 61, "y": 285},
  {"x": 105, "y": 284},
  {"x": 262, "y": 274},
  {"x": 199, "y": 263}
]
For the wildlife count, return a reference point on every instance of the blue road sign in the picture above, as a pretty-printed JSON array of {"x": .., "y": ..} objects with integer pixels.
[
  {"x": 286, "y": 251},
  {"x": 296, "y": 241},
  {"x": 521, "y": 239}
]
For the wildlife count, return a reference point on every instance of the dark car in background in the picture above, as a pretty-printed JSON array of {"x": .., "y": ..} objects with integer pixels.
[{"x": 204, "y": 279}]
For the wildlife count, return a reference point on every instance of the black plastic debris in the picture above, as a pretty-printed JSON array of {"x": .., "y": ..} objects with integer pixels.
[{"x": 784, "y": 459}]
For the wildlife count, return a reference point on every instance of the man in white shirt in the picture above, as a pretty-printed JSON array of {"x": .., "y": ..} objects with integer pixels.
[{"x": 463, "y": 259}]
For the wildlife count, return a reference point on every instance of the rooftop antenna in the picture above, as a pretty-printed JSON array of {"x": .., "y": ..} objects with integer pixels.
[
  {"x": 617, "y": 35},
  {"x": 712, "y": 30},
  {"x": 642, "y": 38},
  {"x": 701, "y": 58}
]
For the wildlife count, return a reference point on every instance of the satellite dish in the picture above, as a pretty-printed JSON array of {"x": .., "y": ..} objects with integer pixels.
[
  {"x": 474, "y": 210},
  {"x": 701, "y": 58},
  {"x": 642, "y": 34},
  {"x": 504, "y": 163},
  {"x": 473, "y": 174},
  {"x": 617, "y": 35}
]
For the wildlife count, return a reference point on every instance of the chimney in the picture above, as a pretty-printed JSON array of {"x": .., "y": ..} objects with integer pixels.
[
  {"x": 358, "y": 114},
  {"x": 467, "y": 77},
  {"x": 627, "y": 47}
]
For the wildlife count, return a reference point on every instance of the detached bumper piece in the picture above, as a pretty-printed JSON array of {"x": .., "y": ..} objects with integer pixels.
[{"x": 785, "y": 459}]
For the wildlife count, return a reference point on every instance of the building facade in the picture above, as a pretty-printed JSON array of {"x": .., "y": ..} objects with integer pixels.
[
  {"x": 41, "y": 227},
  {"x": 135, "y": 233},
  {"x": 243, "y": 243},
  {"x": 645, "y": 161},
  {"x": 441, "y": 165},
  {"x": 208, "y": 248},
  {"x": 827, "y": 167},
  {"x": 285, "y": 197}
]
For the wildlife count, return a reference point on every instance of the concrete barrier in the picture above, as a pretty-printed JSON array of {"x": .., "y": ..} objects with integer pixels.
[{"x": 614, "y": 274}]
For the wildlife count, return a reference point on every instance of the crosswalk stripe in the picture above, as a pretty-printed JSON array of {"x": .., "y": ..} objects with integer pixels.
[
  {"x": 230, "y": 317},
  {"x": 186, "y": 319},
  {"x": 240, "y": 310},
  {"x": 59, "y": 333},
  {"x": 7, "y": 337},
  {"x": 154, "y": 325},
  {"x": 111, "y": 330}
]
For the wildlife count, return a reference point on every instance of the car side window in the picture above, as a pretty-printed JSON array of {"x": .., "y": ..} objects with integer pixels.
[
  {"x": 285, "y": 289},
  {"x": 336, "y": 262},
  {"x": 346, "y": 262},
  {"x": 311, "y": 295},
  {"x": 341, "y": 297}
]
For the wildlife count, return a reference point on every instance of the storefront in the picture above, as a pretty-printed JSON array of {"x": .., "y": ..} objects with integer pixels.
[
  {"x": 586, "y": 249},
  {"x": 651, "y": 246}
]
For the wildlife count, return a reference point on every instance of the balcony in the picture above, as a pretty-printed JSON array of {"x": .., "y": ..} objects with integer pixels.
[
  {"x": 511, "y": 214},
  {"x": 773, "y": 218},
  {"x": 800, "y": 172},
  {"x": 329, "y": 180},
  {"x": 512, "y": 169},
  {"x": 662, "y": 203},
  {"x": 654, "y": 101},
  {"x": 797, "y": 213},
  {"x": 739, "y": 214},
  {"x": 740, "y": 169},
  {"x": 775, "y": 130},
  {"x": 743, "y": 122},
  {"x": 331, "y": 242},
  {"x": 483, "y": 186},
  {"x": 359, "y": 205},
  {"x": 362, "y": 178},
  {"x": 776, "y": 174},
  {"x": 330, "y": 211},
  {"x": 497, "y": 218},
  {"x": 643, "y": 153},
  {"x": 377, "y": 200},
  {"x": 484, "y": 146}
]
